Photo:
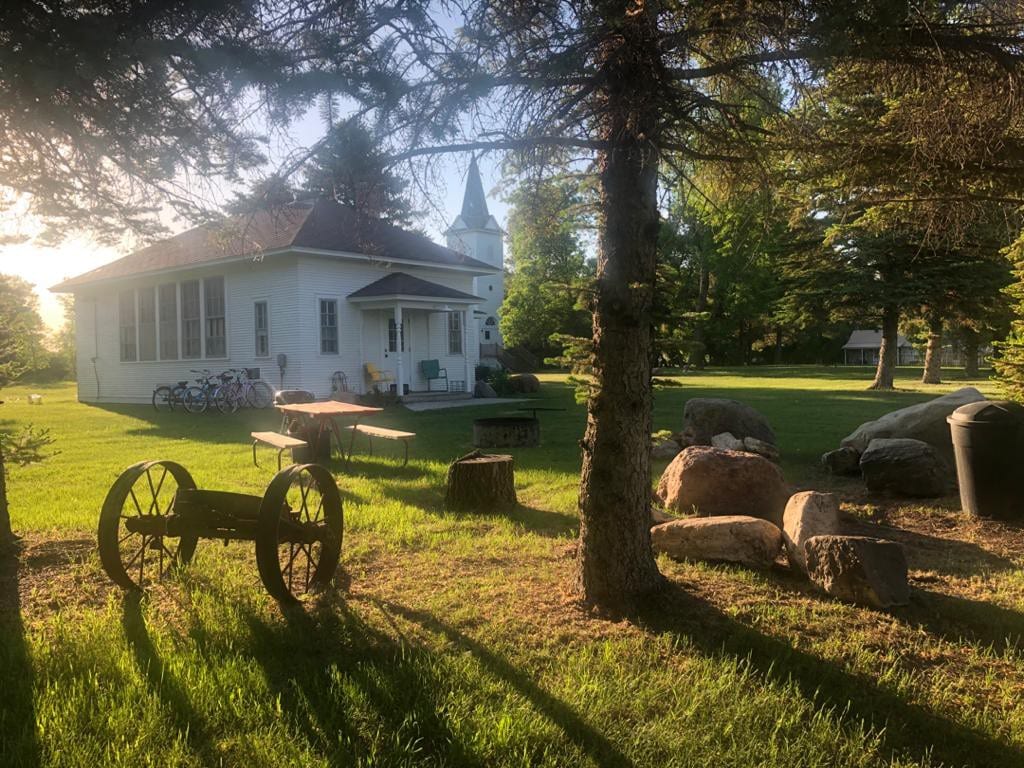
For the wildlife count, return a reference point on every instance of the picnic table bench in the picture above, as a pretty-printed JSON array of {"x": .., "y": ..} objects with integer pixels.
[
  {"x": 275, "y": 440},
  {"x": 383, "y": 434}
]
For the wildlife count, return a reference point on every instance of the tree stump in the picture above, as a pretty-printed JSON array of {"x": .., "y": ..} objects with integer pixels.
[{"x": 481, "y": 481}]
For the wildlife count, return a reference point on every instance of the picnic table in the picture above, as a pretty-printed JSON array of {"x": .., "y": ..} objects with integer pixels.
[{"x": 322, "y": 417}]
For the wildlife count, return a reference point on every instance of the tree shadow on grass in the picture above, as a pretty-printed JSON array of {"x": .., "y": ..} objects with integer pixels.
[
  {"x": 333, "y": 671},
  {"x": 906, "y": 728},
  {"x": 19, "y": 741},
  {"x": 958, "y": 620},
  {"x": 571, "y": 723},
  {"x": 163, "y": 682}
]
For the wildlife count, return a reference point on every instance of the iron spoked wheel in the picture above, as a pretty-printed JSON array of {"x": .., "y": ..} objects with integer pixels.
[
  {"x": 195, "y": 400},
  {"x": 298, "y": 538},
  {"x": 163, "y": 399},
  {"x": 259, "y": 395},
  {"x": 135, "y": 549}
]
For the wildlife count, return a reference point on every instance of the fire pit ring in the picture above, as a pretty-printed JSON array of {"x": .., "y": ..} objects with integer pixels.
[{"x": 506, "y": 432}]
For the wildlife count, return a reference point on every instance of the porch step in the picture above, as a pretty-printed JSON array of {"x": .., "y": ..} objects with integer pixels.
[{"x": 435, "y": 397}]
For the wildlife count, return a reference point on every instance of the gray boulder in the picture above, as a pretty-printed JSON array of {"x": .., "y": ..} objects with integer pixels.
[
  {"x": 808, "y": 514},
  {"x": 727, "y": 442},
  {"x": 733, "y": 539},
  {"x": 664, "y": 448},
  {"x": 761, "y": 448},
  {"x": 924, "y": 421},
  {"x": 483, "y": 389},
  {"x": 710, "y": 482},
  {"x": 525, "y": 383},
  {"x": 858, "y": 569},
  {"x": 905, "y": 467},
  {"x": 705, "y": 417},
  {"x": 842, "y": 461}
]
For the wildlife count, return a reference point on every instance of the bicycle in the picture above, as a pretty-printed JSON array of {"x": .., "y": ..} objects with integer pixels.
[
  {"x": 166, "y": 397},
  {"x": 258, "y": 394},
  {"x": 197, "y": 398},
  {"x": 229, "y": 396}
]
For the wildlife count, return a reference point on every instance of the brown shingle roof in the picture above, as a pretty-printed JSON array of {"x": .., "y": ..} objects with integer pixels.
[{"x": 321, "y": 225}]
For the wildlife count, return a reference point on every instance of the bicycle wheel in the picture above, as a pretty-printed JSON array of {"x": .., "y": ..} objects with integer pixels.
[
  {"x": 259, "y": 394},
  {"x": 225, "y": 398},
  {"x": 195, "y": 400},
  {"x": 163, "y": 399}
]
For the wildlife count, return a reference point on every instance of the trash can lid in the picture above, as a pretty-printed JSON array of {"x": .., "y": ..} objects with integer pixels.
[{"x": 988, "y": 411}]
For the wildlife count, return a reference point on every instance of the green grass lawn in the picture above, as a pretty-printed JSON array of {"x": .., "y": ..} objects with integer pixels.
[{"x": 454, "y": 639}]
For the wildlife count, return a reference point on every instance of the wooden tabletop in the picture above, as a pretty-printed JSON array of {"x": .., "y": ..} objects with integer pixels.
[{"x": 329, "y": 408}]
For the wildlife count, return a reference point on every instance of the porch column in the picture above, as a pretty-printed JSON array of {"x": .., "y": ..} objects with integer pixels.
[
  {"x": 399, "y": 371},
  {"x": 465, "y": 350}
]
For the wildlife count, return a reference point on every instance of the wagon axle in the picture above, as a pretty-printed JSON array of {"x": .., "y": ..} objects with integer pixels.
[{"x": 154, "y": 507}]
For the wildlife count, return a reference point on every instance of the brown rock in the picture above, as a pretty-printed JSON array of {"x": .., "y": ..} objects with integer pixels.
[
  {"x": 711, "y": 482},
  {"x": 859, "y": 569},
  {"x": 525, "y": 383},
  {"x": 732, "y": 538},
  {"x": 808, "y": 514}
]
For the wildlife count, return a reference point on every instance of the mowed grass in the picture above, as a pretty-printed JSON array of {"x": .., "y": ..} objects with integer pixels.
[{"x": 454, "y": 639}]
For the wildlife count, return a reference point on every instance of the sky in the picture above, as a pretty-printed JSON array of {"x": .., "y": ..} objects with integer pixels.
[{"x": 47, "y": 266}]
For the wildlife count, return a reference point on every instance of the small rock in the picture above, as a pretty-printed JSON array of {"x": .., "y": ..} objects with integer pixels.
[
  {"x": 731, "y": 538},
  {"x": 859, "y": 569},
  {"x": 808, "y": 514},
  {"x": 727, "y": 442},
  {"x": 905, "y": 467},
  {"x": 761, "y": 448},
  {"x": 525, "y": 383},
  {"x": 712, "y": 482},
  {"x": 483, "y": 389},
  {"x": 659, "y": 516},
  {"x": 705, "y": 417},
  {"x": 842, "y": 461}
]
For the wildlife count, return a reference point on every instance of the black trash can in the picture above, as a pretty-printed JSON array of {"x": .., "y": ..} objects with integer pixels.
[{"x": 988, "y": 439}]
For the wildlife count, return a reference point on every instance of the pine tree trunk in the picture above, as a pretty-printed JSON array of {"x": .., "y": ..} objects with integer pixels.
[
  {"x": 933, "y": 354},
  {"x": 971, "y": 353},
  {"x": 699, "y": 345},
  {"x": 615, "y": 565},
  {"x": 886, "y": 372},
  {"x": 7, "y": 536},
  {"x": 778, "y": 345}
]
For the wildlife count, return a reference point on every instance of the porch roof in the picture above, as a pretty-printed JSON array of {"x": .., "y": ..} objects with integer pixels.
[{"x": 399, "y": 285}]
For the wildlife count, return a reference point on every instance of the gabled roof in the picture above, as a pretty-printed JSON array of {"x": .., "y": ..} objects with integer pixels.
[
  {"x": 400, "y": 284},
  {"x": 866, "y": 339},
  {"x": 321, "y": 225}
]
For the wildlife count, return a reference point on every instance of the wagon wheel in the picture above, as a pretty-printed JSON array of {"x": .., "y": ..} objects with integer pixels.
[
  {"x": 135, "y": 548},
  {"x": 298, "y": 539}
]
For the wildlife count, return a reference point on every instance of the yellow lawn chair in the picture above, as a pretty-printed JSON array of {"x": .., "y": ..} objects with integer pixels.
[{"x": 378, "y": 377}]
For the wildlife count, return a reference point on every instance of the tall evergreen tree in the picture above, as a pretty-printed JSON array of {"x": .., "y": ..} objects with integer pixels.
[{"x": 1009, "y": 363}]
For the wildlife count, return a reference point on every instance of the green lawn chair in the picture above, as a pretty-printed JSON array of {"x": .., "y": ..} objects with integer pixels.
[{"x": 431, "y": 370}]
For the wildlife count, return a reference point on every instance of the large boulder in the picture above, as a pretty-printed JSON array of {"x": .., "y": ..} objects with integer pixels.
[
  {"x": 705, "y": 417},
  {"x": 924, "y": 421},
  {"x": 760, "y": 447},
  {"x": 733, "y": 538},
  {"x": 905, "y": 467},
  {"x": 711, "y": 482},
  {"x": 859, "y": 569},
  {"x": 808, "y": 514},
  {"x": 524, "y": 383},
  {"x": 727, "y": 441}
]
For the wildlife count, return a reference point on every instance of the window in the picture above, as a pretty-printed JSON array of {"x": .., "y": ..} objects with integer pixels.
[
  {"x": 393, "y": 336},
  {"x": 490, "y": 321},
  {"x": 328, "y": 327},
  {"x": 262, "y": 324},
  {"x": 126, "y": 321},
  {"x": 168, "y": 312},
  {"x": 454, "y": 333},
  {"x": 487, "y": 335},
  {"x": 213, "y": 297},
  {"x": 147, "y": 324},
  {"x": 190, "y": 322}
]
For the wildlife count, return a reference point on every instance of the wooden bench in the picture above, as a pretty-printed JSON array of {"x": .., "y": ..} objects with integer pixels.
[
  {"x": 275, "y": 440},
  {"x": 383, "y": 434}
]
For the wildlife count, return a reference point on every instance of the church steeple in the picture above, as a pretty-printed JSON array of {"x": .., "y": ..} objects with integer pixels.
[{"x": 474, "y": 205}]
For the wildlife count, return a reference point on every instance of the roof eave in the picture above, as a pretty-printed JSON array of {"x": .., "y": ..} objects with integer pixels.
[{"x": 468, "y": 300}]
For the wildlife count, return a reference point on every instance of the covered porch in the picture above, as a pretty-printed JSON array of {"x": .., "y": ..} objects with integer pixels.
[{"x": 415, "y": 337}]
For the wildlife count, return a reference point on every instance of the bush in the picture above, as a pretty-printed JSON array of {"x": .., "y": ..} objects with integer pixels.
[{"x": 501, "y": 382}]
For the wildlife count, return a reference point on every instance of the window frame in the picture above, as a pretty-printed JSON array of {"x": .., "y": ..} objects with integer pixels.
[
  {"x": 455, "y": 333},
  {"x": 146, "y": 326},
  {"x": 320, "y": 301},
  {"x": 183, "y": 338},
  {"x": 256, "y": 329},
  {"x": 163, "y": 324},
  {"x": 122, "y": 327},
  {"x": 206, "y": 318}
]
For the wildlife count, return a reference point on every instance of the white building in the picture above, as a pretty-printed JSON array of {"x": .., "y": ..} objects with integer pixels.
[
  {"x": 298, "y": 293},
  {"x": 475, "y": 232}
]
